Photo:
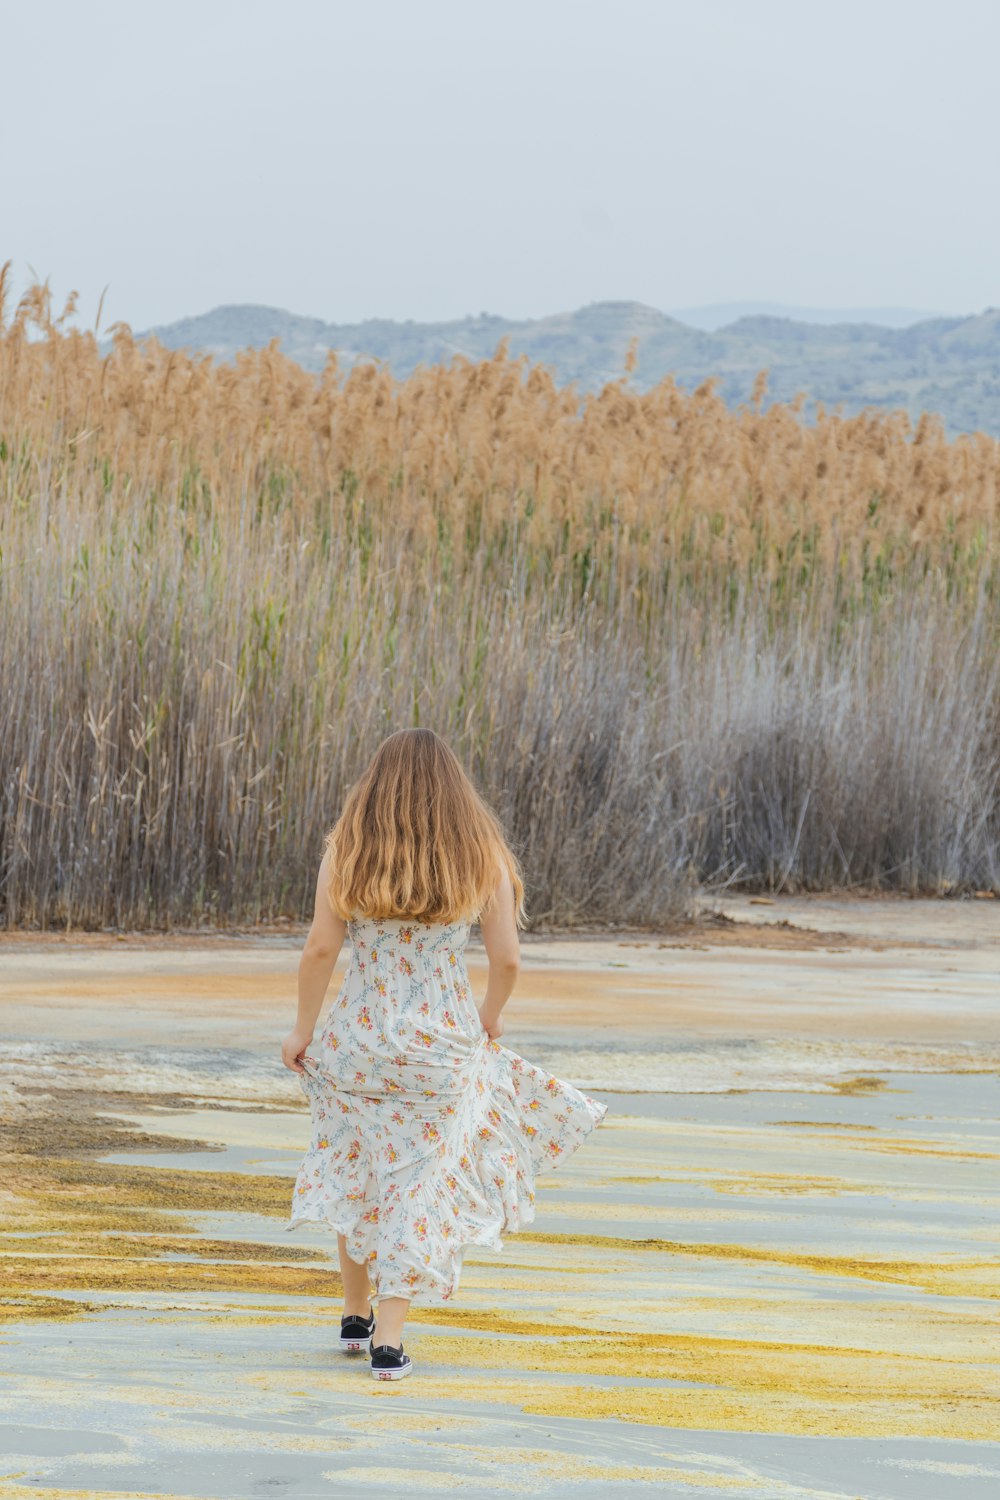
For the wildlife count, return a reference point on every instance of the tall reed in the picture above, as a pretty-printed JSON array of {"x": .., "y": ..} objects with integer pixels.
[{"x": 676, "y": 644}]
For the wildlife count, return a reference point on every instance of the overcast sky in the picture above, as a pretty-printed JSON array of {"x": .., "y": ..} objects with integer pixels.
[{"x": 431, "y": 158}]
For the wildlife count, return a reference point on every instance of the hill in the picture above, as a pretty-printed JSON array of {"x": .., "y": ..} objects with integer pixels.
[
  {"x": 718, "y": 314},
  {"x": 946, "y": 365}
]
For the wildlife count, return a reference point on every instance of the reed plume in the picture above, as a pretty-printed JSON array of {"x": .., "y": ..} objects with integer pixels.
[{"x": 675, "y": 643}]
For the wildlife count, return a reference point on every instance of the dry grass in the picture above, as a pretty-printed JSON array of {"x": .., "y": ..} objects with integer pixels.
[{"x": 673, "y": 642}]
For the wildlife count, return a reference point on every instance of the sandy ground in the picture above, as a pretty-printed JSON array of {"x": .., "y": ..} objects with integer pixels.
[{"x": 772, "y": 1271}]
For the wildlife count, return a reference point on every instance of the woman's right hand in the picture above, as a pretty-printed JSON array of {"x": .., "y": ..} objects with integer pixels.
[{"x": 492, "y": 1025}]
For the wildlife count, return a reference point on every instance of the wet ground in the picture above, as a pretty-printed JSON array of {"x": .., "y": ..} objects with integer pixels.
[{"x": 772, "y": 1271}]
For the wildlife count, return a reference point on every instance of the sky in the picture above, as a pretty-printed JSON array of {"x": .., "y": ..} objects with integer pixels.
[{"x": 432, "y": 159}]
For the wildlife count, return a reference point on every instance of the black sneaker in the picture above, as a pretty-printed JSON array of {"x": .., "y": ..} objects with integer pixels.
[
  {"x": 389, "y": 1363},
  {"x": 355, "y": 1332}
]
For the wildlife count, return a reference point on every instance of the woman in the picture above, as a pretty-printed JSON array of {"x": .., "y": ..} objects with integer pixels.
[{"x": 426, "y": 1132}]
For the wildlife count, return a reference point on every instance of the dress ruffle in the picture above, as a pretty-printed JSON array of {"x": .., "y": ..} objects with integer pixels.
[
  {"x": 475, "y": 1184},
  {"x": 417, "y": 1158}
]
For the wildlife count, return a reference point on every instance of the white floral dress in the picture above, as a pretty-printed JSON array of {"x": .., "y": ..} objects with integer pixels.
[{"x": 426, "y": 1135}]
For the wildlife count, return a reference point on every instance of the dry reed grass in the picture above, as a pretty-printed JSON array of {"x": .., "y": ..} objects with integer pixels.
[{"x": 674, "y": 642}]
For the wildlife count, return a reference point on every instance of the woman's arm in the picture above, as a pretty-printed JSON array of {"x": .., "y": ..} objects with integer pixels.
[
  {"x": 499, "y": 929},
  {"x": 325, "y": 940}
]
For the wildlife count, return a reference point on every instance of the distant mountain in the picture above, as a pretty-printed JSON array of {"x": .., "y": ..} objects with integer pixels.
[
  {"x": 719, "y": 314},
  {"x": 946, "y": 365}
]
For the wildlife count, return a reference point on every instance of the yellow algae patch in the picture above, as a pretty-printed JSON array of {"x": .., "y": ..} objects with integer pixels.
[
  {"x": 119, "y": 1184},
  {"x": 605, "y": 1181},
  {"x": 896, "y": 1147},
  {"x": 26, "y": 1308},
  {"x": 791, "y": 1409},
  {"x": 487, "y": 1321},
  {"x": 237, "y": 1316},
  {"x": 76, "y": 1120},
  {"x": 734, "y": 1411},
  {"x": 71, "y": 1196},
  {"x": 653, "y": 1212},
  {"x": 224, "y": 1250},
  {"x": 99, "y": 1273},
  {"x": 146, "y": 1245},
  {"x": 40, "y": 1492},
  {"x": 522, "y": 1268},
  {"x": 413, "y": 1421},
  {"x": 958, "y": 1278},
  {"x": 567, "y": 1466},
  {"x": 935, "y": 1466},
  {"x": 48, "y": 1215},
  {"x": 222, "y": 1439},
  {"x": 425, "y": 1479},
  {"x": 66, "y": 1198},
  {"x": 778, "y": 1184},
  {"x": 891, "y": 1145},
  {"x": 826, "y": 1371},
  {"x": 728, "y": 1384},
  {"x": 488, "y": 1278},
  {"x": 861, "y": 1085}
]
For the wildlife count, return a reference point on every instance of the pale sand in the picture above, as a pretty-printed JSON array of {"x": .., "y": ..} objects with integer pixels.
[{"x": 773, "y": 1271}]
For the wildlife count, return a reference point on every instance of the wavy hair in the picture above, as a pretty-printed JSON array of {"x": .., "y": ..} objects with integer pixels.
[{"x": 415, "y": 839}]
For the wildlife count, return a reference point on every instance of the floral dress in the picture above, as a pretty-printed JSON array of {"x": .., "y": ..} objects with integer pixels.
[{"x": 426, "y": 1135}]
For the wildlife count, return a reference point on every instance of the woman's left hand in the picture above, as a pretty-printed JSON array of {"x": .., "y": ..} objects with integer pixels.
[{"x": 292, "y": 1048}]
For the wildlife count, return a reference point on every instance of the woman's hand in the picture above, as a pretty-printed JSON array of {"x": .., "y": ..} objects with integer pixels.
[
  {"x": 292, "y": 1048},
  {"x": 492, "y": 1025}
]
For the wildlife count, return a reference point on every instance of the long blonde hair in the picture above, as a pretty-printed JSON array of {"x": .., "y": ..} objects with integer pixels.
[{"x": 415, "y": 839}]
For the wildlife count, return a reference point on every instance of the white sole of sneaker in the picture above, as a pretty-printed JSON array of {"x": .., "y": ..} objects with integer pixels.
[
  {"x": 392, "y": 1374},
  {"x": 354, "y": 1346}
]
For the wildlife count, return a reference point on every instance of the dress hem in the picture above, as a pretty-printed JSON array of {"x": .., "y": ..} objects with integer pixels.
[{"x": 417, "y": 1296}]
